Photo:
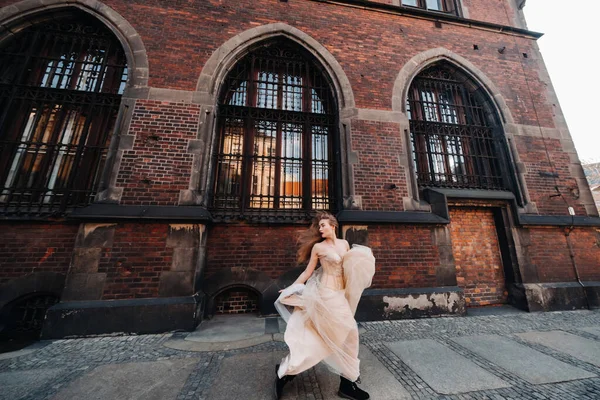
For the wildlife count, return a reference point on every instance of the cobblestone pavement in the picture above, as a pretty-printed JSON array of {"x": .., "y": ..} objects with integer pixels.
[{"x": 81, "y": 368}]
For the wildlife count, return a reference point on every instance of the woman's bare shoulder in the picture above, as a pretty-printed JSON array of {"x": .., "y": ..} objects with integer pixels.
[
  {"x": 345, "y": 242},
  {"x": 318, "y": 247}
]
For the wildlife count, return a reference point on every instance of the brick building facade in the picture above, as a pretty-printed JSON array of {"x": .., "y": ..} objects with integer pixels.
[{"x": 158, "y": 159}]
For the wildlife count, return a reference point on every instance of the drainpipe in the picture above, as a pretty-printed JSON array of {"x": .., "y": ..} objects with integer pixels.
[{"x": 572, "y": 255}]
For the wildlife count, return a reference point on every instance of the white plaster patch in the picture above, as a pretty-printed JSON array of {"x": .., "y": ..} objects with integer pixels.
[
  {"x": 90, "y": 228},
  {"x": 182, "y": 227},
  {"x": 422, "y": 302}
]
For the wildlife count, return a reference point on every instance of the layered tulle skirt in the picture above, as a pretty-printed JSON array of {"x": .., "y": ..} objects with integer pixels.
[{"x": 322, "y": 326}]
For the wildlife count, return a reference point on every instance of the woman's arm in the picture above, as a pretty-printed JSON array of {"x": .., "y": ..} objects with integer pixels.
[{"x": 314, "y": 259}]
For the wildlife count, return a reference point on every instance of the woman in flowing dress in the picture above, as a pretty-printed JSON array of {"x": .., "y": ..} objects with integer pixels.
[{"x": 322, "y": 326}]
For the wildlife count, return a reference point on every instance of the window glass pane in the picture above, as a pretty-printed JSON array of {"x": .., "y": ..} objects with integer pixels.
[
  {"x": 320, "y": 168},
  {"x": 267, "y": 84},
  {"x": 238, "y": 95},
  {"x": 291, "y": 166},
  {"x": 229, "y": 164},
  {"x": 263, "y": 167},
  {"x": 413, "y": 3},
  {"x": 292, "y": 93},
  {"x": 435, "y": 5}
]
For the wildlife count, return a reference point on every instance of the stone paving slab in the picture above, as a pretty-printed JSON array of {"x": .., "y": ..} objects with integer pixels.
[
  {"x": 158, "y": 380},
  {"x": 375, "y": 379},
  {"x": 249, "y": 376},
  {"x": 19, "y": 384},
  {"x": 228, "y": 328},
  {"x": 73, "y": 359},
  {"x": 581, "y": 348},
  {"x": 520, "y": 360},
  {"x": 594, "y": 330},
  {"x": 446, "y": 371}
]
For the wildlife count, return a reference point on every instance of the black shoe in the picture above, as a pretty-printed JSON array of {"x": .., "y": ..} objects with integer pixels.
[
  {"x": 350, "y": 390},
  {"x": 280, "y": 382}
]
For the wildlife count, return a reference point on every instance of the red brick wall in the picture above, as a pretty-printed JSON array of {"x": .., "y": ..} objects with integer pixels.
[
  {"x": 26, "y": 248},
  {"x": 236, "y": 301},
  {"x": 586, "y": 247},
  {"x": 271, "y": 250},
  {"x": 494, "y": 11},
  {"x": 378, "y": 145},
  {"x": 476, "y": 252},
  {"x": 371, "y": 46},
  {"x": 159, "y": 166},
  {"x": 549, "y": 254},
  {"x": 134, "y": 264},
  {"x": 405, "y": 256},
  {"x": 372, "y": 49},
  {"x": 546, "y": 155}
]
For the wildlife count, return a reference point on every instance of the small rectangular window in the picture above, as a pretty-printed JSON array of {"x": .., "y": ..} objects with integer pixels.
[{"x": 445, "y": 6}]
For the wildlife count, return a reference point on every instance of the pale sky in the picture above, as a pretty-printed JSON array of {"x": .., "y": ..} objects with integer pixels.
[{"x": 570, "y": 47}]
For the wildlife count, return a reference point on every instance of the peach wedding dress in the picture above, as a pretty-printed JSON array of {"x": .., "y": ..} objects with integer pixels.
[{"x": 322, "y": 326}]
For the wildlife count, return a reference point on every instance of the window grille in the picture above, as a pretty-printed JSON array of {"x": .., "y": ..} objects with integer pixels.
[
  {"x": 60, "y": 89},
  {"x": 275, "y": 152},
  {"x": 452, "y": 133}
]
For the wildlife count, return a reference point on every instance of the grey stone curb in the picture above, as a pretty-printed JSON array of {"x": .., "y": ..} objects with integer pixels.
[{"x": 178, "y": 343}]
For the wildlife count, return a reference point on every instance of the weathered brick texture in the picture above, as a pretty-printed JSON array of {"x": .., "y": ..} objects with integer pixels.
[
  {"x": 406, "y": 257},
  {"x": 371, "y": 47},
  {"x": 26, "y": 248},
  {"x": 476, "y": 252},
  {"x": 270, "y": 250},
  {"x": 379, "y": 145},
  {"x": 135, "y": 262},
  {"x": 495, "y": 11},
  {"x": 545, "y": 156},
  {"x": 236, "y": 301},
  {"x": 549, "y": 253},
  {"x": 158, "y": 166}
]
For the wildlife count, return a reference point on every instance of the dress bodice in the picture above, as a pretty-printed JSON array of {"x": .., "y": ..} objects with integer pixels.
[{"x": 331, "y": 263}]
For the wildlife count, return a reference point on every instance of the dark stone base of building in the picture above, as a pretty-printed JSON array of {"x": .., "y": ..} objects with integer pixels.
[
  {"x": 389, "y": 304},
  {"x": 141, "y": 316},
  {"x": 562, "y": 296}
]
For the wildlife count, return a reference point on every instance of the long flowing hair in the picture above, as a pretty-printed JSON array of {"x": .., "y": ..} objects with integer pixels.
[{"x": 312, "y": 236}]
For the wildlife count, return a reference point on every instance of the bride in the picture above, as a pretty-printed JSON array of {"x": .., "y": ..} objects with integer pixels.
[{"x": 322, "y": 325}]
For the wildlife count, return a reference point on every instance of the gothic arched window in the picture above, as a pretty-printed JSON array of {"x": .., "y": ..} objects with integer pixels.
[
  {"x": 276, "y": 124},
  {"x": 61, "y": 82},
  {"x": 454, "y": 132}
]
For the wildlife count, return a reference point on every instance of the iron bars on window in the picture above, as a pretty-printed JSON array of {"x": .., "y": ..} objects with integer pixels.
[
  {"x": 276, "y": 118},
  {"x": 60, "y": 89},
  {"x": 453, "y": 134}
]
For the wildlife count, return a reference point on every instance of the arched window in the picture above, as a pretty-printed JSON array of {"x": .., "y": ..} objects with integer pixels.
[
  {"x": 276, "y": 124},
  {"x": 61, "y": 82},
  {"x": 454, "y": 131}
]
